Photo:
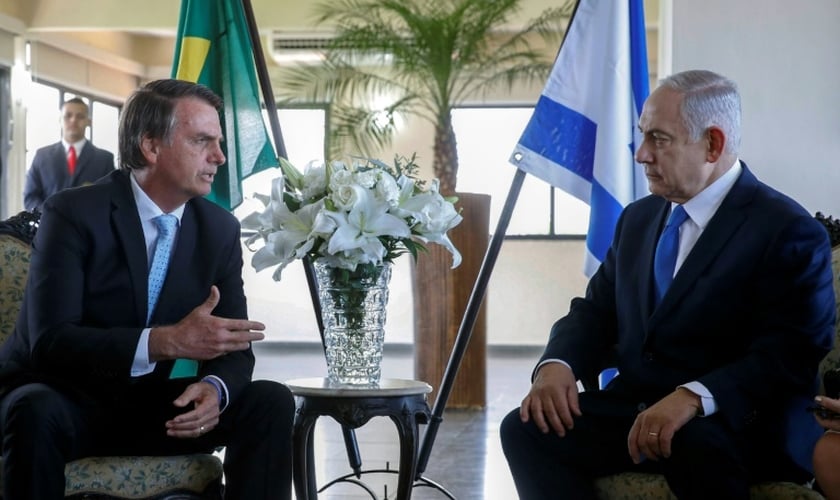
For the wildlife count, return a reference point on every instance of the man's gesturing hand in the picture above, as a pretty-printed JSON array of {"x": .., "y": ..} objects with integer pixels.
[{"x": 202, "y": 336}]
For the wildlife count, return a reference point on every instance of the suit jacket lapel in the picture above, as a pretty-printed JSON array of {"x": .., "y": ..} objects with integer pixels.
[
  {"x": 129, "y": 231},
  {"x": 59, "y": 163},
  {"x": 83, "y": 159},
  {"x": 726, "y": 221}
]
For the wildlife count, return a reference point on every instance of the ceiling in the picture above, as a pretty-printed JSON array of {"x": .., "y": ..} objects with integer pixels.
[{"x": 142, "y": 33}]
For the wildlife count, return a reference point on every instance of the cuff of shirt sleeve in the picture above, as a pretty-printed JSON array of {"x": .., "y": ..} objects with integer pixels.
[
  {"x": 706, "y": 399},
  {"x": 547, "y": 361},
  {"x": 220, "y": 387},
  {"x": 141, "y": 364}
]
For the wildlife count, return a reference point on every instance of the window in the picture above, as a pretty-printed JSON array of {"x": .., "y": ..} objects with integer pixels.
[
  {"x": 486, "y": 139},
  {"x": 303, "y": 135},
  {"x": 43, "y": 124},
  {"x": 43, "y": 119},
  {"x": 104, "y": 125}
]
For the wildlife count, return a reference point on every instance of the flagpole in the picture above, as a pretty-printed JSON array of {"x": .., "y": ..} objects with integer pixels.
[
  {"x": 350, "y": 442},
  {"x": 265, "y": 80},
  {"x": 471, "y": 313},
  {"x": 462, "y": 340}
]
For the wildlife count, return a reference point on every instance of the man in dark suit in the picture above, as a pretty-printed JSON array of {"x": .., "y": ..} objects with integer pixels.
[
  {"x": 96, "y": 361},
  {"x": 74, "y": 161},
  {"x": 716, "y": 369}
]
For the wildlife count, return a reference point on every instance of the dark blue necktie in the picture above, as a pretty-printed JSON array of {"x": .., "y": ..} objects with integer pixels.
[{"x": 665, "y": 259}]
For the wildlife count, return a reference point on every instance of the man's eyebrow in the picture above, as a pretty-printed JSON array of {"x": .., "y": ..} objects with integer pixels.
[
  {"x": 206, "y": 136},
  {"x": 653, "y": 131}
]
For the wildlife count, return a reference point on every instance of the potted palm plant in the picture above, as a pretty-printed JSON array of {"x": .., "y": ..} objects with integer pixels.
[{"x": 421, "y": 58}]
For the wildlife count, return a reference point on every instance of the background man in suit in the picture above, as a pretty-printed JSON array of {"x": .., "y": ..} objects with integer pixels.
[
  {"x": 716, "y": 368},
  {"x": 56, "y": 167},
  {"x": 95, "y": 360}
]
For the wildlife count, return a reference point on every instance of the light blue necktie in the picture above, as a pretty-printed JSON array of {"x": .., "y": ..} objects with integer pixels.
[
  {"x": 665, "y": 259},
  {"x": 166, "y": 225}
]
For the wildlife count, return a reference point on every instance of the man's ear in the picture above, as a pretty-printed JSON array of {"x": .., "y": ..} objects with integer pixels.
[
  {"x": 150, "y": 148},
  {"x": 716, "y": 141}
]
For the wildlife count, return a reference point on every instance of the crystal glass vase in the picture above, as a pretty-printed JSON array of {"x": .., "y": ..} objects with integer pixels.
[{"x": 353, "y": 310}]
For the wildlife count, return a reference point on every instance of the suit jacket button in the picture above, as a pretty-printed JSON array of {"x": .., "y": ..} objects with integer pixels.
[{"x": 648, "y": 356}]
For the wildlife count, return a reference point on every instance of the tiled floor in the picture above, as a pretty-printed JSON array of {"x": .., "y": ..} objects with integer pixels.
[{"x": 466, "y": 457}]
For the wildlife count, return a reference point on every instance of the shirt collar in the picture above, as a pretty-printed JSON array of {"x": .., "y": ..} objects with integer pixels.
[
  {"x": 147, "y": 208},
  {"x": 703, "y": 206},
  {"x": 78, "y": 145}
]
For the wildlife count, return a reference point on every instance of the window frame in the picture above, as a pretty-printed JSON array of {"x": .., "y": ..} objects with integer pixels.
[{"x": 553, "y": 231}]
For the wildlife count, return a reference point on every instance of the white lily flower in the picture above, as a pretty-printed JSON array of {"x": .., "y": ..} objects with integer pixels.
[
  {"x": 293, "y": 240},
  {"x": 363, "y": 225},
  {"x": 346, "y": 215}
]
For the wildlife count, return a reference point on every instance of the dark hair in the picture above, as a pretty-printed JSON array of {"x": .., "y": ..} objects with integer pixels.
[
  {"x": 150, "y": 113},
  {"x": 74, "y": 100}
]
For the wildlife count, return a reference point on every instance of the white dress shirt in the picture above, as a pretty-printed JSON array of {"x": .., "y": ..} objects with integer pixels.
[
  {"x": 78, "y": 145},
  {"x": 148, "y": 210}
]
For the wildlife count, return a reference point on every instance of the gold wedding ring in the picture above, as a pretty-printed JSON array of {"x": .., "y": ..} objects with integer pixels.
[
  {"x": 654, "y": 434},
  {"x": 201, "y": 430}
]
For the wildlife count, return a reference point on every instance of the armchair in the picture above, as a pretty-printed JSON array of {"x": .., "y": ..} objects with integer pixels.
[
  {"x": 632, "y": 485},
  {"x": 166, "y": 477}
]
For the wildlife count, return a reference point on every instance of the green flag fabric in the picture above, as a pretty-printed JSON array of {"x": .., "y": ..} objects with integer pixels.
[{"x": 214, "y": 48}]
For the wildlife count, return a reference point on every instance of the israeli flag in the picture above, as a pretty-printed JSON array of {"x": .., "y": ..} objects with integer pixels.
[{"x": 582, "y": 135}]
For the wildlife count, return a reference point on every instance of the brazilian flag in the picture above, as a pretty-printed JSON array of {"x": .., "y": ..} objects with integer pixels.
[{"x": 214, "y": 48}]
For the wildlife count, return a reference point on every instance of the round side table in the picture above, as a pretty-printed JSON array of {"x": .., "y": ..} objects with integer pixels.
[{"x": 404, "y": 401}]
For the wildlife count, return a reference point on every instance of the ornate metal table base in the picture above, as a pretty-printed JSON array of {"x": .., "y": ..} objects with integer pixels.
[
  {"x": 355, "y": 479},
  {"x": 403, "y": 401}
]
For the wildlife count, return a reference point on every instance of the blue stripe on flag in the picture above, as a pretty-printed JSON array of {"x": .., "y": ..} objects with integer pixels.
[
  {"x": 562, "y": 135},
  {"x": 638, "y": 55},
  {"x": 603, "y": 214}
]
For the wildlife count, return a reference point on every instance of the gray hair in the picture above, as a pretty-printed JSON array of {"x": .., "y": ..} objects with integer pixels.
[
  {"x": 150, "y": 112},
  {"x": 709, "y": 99}
]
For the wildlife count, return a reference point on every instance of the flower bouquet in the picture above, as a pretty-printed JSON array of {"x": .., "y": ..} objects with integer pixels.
[{"x": 351, "y": 220}]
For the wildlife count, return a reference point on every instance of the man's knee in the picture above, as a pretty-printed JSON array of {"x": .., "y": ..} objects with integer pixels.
[
  {"x": 40, "y": 419},
  {"x": 704, "y": 437},
  {"x": 511, "y": 430},
  {"x": 521, "y": 440},
  {"x": 30, "y": 406},
  {"x": 273, "y": 391},
  {"x": 272, "y": 399},
  {"x": 704, "y": 447}
]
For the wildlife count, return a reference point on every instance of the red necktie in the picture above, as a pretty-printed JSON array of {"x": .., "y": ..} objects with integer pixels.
[{"x": 71, "y": 160}]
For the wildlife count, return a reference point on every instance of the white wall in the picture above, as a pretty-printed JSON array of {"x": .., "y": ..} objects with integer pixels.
[{"x": 784, "y": 57}]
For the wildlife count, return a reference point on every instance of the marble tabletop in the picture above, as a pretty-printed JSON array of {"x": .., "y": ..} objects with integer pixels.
[{"x": 322, "y": 386}]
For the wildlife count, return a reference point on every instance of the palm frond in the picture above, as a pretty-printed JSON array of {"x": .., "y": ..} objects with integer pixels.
[{"x": 422, "y": 58}]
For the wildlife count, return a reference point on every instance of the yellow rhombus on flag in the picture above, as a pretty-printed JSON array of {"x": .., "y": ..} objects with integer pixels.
[{"x": 214, "y": 48}]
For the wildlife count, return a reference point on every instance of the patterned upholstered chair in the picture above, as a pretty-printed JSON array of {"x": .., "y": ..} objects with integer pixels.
[
  {"x": 176, "y": 477},
  {"x": 639, "y": 486}
]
